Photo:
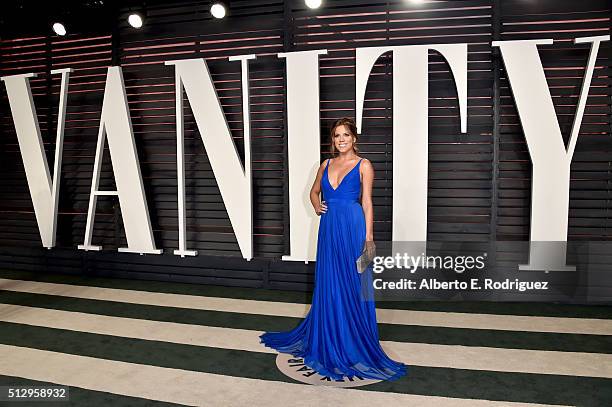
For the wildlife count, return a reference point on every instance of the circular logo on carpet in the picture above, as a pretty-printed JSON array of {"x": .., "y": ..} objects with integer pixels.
[{"x": 295, "y": 368}]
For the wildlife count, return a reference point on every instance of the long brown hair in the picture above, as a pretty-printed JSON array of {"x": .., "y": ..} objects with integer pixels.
[{"x": 350, "y": 124}]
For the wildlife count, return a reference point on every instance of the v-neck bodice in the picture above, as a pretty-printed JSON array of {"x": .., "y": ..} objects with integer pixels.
[{"x": 349, "y": 187}]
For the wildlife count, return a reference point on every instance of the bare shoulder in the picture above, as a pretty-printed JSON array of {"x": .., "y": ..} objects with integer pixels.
[
  {"x": 322, "y": 165},
  {"x": 366, "y": 165}
]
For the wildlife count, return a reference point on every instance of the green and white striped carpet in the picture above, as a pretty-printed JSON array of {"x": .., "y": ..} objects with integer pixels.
[{"x": 127, "y": 342}]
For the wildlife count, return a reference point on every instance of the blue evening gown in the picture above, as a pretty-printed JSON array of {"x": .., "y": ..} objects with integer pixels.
[{"x": 339, "y": 336}]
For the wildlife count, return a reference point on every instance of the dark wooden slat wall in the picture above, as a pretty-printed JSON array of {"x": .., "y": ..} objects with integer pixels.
[{"x": 479, "y": 182}]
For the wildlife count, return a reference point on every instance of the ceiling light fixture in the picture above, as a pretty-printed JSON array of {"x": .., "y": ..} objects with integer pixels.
[
  {"x": 135, "y": 20},
  {"x": 313, "y": 3},
  {"x": 59, "y": 29},
  {"x": 218, "y": 9}
]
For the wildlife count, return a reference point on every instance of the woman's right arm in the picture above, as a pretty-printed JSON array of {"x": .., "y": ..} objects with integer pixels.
[{"x": 315, "y": 192}]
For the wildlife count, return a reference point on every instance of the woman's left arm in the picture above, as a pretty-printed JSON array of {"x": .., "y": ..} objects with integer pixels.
[{"x": 367, "y": 171}]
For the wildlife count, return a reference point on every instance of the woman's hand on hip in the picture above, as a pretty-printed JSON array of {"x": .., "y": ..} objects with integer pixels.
[{"x": 322, "y": 208}]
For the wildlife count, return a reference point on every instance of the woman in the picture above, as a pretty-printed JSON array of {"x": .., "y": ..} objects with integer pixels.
[{"x": 339, "y": 336}]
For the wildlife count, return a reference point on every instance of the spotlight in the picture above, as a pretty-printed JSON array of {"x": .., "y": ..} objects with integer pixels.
[
  {"x": 59, "y": 29},
  {"x": 218, "y": 9},
  {"x": 313, "y": 3},
  {"x": 135, "y": 20}
]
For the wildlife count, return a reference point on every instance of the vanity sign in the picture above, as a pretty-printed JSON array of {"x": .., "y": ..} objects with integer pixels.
[{"x": 551, "y": 159}]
